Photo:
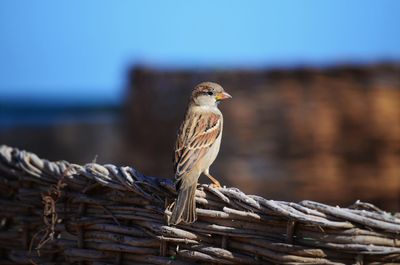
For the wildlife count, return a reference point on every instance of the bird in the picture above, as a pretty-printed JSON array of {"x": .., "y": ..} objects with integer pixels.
[{"x": 196, "y": 147}]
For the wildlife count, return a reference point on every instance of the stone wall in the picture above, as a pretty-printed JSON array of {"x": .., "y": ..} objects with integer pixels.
[{"x": 331, "y": 135}]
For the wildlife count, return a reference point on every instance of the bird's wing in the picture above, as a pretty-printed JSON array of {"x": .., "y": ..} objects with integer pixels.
[{"x": 196, "y": 135}]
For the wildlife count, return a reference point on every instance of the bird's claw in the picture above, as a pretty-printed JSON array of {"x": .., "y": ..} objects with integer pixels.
[{"x": 216, "y": 185}]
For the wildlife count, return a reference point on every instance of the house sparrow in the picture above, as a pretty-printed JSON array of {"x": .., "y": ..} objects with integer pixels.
[{"x": 196, "y": 147}]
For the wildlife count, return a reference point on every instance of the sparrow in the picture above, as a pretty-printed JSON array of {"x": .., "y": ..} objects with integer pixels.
[{"x": 197, "y": 146}]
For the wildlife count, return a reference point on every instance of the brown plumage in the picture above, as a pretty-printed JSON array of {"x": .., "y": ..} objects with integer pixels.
[{"x": 196, "y": 147}]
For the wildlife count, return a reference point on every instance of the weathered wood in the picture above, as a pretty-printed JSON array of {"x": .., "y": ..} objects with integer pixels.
[{"x": 103, "y": 214}]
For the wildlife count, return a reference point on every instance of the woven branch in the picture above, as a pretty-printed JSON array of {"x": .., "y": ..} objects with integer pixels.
[{"x": 60, "y": 213}]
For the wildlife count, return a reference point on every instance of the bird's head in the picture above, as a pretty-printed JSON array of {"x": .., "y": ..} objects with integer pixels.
[{"x": 208, "y": 94}]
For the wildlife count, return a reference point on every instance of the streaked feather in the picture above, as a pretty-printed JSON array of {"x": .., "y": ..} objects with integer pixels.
[{"x": 196, "y": 135}]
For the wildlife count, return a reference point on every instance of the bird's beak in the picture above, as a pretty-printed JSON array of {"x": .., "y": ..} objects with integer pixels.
[{"x": 222, "y": 96}]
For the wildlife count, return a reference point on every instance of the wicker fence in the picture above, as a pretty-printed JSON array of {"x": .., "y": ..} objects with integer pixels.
[{"x": 61, "y": 213}]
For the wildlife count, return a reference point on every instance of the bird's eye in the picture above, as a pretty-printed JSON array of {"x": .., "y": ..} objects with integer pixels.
[{"x": 210, "y": 93}]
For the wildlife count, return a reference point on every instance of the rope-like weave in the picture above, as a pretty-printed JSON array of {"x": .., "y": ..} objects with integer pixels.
[{"x": 59, "y": 213}]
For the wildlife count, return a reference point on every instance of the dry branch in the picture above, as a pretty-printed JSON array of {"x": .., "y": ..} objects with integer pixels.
[{"x": 104, "y": 214}]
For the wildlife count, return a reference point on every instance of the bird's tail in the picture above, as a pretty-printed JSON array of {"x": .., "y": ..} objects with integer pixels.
[{"x": 185, "y": 206}]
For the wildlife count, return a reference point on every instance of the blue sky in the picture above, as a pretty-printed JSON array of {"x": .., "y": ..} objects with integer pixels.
[{"x": 82, "y": 49}]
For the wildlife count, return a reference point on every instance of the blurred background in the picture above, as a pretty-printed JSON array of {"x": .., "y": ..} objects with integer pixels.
[{"x": 315, "y": 112}]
